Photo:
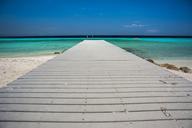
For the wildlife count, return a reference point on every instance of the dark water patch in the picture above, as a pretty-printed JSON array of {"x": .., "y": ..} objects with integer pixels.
[{"x": 136, "y": 52}]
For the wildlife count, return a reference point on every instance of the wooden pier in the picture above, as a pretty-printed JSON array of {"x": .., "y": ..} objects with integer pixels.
[{"x": 97, "y": 85}]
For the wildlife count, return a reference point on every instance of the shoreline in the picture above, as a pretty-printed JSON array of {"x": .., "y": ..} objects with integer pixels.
[
  {"x": 177, "y": 67},
  {"x": 12, "y": 68},
  {"x": 176, "y": 62}
]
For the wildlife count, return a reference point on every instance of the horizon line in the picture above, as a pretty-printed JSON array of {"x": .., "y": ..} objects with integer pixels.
[{"x": 98, "y": 36}]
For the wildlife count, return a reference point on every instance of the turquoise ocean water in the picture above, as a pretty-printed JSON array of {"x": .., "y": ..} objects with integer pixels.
[
  {"x": 21, "y": 47},
  {"x": 154, "y": 48}
]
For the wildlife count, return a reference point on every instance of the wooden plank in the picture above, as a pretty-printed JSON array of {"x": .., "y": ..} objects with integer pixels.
[{"x": 96, "y": 84}]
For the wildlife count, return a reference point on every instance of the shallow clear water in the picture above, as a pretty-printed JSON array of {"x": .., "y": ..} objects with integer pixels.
[
  {"x": 157, "y": 48},
  {"x": 14, "y": 47},
  {"x": 154, "y": 48}
]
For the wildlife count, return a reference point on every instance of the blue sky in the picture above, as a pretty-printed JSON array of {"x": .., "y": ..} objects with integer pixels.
[{"x": 97, "y": 17}]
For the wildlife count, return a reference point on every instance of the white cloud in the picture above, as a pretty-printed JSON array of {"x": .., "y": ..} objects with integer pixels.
[
  {"x": 152, "y": 30},
  {"x": 134, "y": 25}
]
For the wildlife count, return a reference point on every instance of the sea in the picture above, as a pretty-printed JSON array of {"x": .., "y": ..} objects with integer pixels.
[{"x": 153, "y": 48}]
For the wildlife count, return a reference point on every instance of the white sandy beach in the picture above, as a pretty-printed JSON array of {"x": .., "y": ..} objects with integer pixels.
[
  {"x": 12, "y": 68},
  {"x": 187, "y": 76},
  {"x": 178, "y": 63}
]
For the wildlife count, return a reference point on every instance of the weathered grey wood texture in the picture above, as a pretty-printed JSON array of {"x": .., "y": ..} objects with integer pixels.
[{"x": 97, "y": 85}]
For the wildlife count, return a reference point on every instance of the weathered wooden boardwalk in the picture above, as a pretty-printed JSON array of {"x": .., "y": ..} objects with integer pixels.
[{"x": 97, "y": 85}]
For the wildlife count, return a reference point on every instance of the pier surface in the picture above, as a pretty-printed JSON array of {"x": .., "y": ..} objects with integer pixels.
[{"x": 97, "y": 85}]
